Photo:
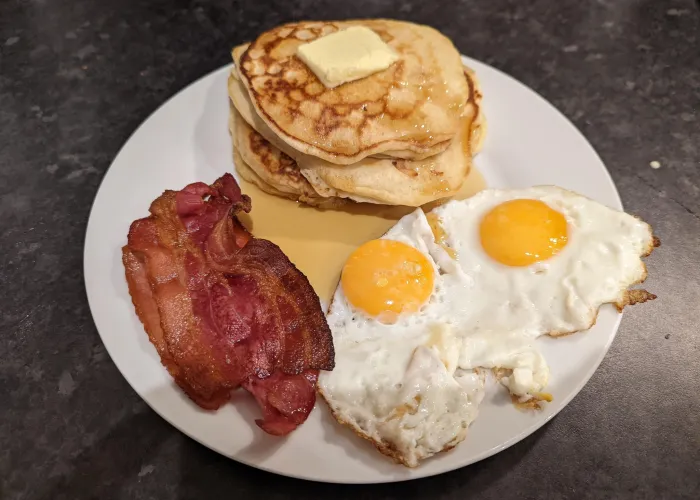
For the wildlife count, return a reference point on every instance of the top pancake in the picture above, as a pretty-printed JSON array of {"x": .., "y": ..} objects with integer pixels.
[{"x": 411, "y": 110}]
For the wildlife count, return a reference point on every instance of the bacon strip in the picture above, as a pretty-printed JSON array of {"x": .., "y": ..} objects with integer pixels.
[{"x": 225, "y": 309}]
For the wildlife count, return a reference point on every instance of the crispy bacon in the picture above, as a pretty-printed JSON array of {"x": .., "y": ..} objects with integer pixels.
[
  {"x": 225, "y": 309},
  {"x": 281, "y": 417}
]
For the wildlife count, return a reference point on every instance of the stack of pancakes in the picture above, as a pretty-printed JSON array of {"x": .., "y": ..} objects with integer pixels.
[{"x": 402, "y": 136}]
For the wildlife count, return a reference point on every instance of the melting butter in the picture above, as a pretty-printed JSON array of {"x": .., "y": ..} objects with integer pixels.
[{"x": 347, "y": 55}]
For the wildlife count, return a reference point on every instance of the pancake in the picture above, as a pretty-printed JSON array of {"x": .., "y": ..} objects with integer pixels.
[
  {"x": 242, "y": 103},
  {"x": 479, "y": 126},
  {"x": 411, "y": 183},
  {"x": 385, "y": 181},
  {"x": 249, "y": 175},
  {"x": 262, "y": 164},
  {"x": 411, "y": 110},
  {"x": 398, "y": 181},
  {"x": 269, "y": 163}
]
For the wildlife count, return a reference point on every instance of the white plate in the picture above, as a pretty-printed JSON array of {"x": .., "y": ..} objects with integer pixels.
[{"x": 528, "y": 143}]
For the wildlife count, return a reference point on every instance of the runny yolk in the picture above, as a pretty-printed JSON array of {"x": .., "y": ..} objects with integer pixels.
[
  {"x": 522, "y": 232},
  {"x": 385, "y": 278}
]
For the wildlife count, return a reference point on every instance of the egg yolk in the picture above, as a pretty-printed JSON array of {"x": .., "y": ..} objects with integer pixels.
[
  {"x": 385, "y": 278},
  {"x": 522, "y": 232}
]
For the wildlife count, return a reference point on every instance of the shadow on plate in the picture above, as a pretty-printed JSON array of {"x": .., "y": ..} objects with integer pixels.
[
  {"x": 262, "y": 446},
  {"x": 353, "y": 446},
  {"x": 205, "y": 474}
]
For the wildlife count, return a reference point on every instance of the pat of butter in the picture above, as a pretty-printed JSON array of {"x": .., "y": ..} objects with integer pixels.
[{"x": 347, "y": 55}]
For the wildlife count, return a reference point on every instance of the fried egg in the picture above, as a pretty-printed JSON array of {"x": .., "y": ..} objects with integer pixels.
[{"x": 420, "y": 313}]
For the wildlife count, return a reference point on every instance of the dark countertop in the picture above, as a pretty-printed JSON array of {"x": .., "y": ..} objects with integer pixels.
[{"x": 77, "y": 77}]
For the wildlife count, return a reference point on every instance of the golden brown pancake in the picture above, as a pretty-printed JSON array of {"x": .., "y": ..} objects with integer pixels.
[
  {"x": 269, "y": 163},
  {"x": 242, "y": 103},
  {"x": 479, "y": 124},
  {"x": 412, "y": 110},
  {"x": 262, "y": 164},
  {"x": 249, "y": 175},
  {"x": 386, "y": 181},
  {"x": 397, "y": 182}
]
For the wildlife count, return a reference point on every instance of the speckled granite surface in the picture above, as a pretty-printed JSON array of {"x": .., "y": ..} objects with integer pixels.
[{"x": 76, "y": 78}]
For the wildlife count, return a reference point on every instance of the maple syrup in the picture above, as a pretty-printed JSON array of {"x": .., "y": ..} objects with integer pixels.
[{"x": 319, "y": 242}]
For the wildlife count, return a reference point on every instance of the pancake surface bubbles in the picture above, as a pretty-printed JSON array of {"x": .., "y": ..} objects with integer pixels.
[{"x": 411, "y": 110}]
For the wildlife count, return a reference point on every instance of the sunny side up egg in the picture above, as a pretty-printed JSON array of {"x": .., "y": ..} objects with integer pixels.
[{"x": 421, "y": 312}]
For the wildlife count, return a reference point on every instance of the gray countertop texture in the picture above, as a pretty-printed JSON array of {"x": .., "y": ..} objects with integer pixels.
[{"x": 77, "y": 77}]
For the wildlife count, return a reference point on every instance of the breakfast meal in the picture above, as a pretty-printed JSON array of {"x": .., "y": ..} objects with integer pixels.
[
  {"x": 225, "y": 309},
  {"x": 373, "y": 111},
  {"x": 355, "y": 141}
]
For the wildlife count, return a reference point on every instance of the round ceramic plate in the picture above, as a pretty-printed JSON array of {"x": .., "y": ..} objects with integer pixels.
[{"x": 528, "y": 143}]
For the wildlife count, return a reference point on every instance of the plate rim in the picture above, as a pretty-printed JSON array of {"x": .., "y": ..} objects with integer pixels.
[{"x": 529, "y": 430}]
